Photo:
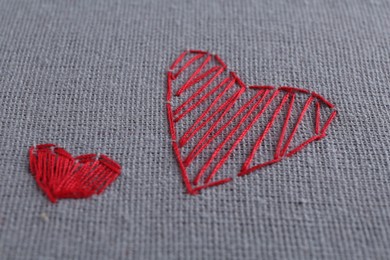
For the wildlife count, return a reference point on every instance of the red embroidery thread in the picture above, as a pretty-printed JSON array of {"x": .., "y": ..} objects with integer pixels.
[
  {"x": 196, "y": 81},
  {"x": 61, "y": 176}
]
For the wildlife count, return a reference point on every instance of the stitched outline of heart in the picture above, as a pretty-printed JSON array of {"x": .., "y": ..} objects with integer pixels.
[
  {"x": 60, "y": 175},
  {"x": 175, "y": 115}
]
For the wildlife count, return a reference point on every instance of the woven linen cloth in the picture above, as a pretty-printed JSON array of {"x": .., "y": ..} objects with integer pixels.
[{"x": 90, "y": 76}]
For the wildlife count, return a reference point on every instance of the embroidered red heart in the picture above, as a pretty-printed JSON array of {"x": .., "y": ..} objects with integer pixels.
[
  {"x": 60, "y": 175},
  {"x": 218, "y": 123}
]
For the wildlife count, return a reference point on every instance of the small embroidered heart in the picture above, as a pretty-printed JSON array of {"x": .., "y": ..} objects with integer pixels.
[
  {"x": 220, "y": 127},
  {"x": 60, "y": 175}
]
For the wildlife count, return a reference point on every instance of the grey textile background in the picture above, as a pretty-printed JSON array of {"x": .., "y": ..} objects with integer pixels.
[{"x": 90, "y": 76}]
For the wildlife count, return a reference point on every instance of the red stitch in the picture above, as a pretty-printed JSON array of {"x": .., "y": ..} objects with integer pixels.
[
  {"x": 187, "y": 84},
  {"x": 280, "y": 142},
  {"x": 220, "y": 61},
  {"x": 110, "y": 163},
  {"x": 174, "y": 142},
  {"x": 212, "y": 184},
  {"x": 197, "y": 93},
  {"x": 262, "y": 136},
  {"x": 292, "y": 89},
  {"x": 202, "y": 76},
  {"x": 302, "y": 145},
  {"x": 203, "y": 144},
  {"x": 327, "y": 123},
  {"x": 60, "y": 175},
  {"x": 318, "y": 117},
  {"x": 204, "y": 141},
  {"x": 238, "y": 80},
  {"x": 226, "y": 156},
  {"x": 181, "y": 57},
  {"x": 198, "y": 51},
  {"x": 323, "y": 99},
  {"x": 308, "y": 102},
  {"x": 247, "y": 171},
  {"x": 189, "y": 63},
  {"x": 191, "y": 132},
  {"x": 221, "y": 117},
  {"x": 62, "y": 152}
]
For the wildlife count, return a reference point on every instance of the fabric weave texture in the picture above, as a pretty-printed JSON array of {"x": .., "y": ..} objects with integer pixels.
[{"x": 90, "y": 76}]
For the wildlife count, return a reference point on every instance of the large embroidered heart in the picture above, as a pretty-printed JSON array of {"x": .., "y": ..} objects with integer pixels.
[
  {"x": 220, "y": 127},
  {"x": 60, "y": 175}
]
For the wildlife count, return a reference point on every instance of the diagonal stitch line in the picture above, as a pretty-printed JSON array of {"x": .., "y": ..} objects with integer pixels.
[
  {"x": 89, "y": 177},
  {"x": 204, "y": 142},
  {"x": 238, "y": 79},
  {"x": 259, "y": 166},
  {"x": 192, "y": 132},
  {"x": 262, "y": 136},
  {"x": 216, "y": 152},
  {"x": 302, "y": 145},
  {"x": 239, "y": 139},
  {"x": 197, "y": 93},
  {"x": 220, "y": 61},
  {"x": 100, "y": 181},
  {"x": 197, "y": 71},
  {"x": 200, "y": 89},
  {"x": 203, "y": 75},
  {"x": 212, "y": 184},
  {"x": 230, "y": 103},
  {"x": 69, "y": 183},
  {"x": 178, "y": 60},
  {"x": 188, "y": 63},
  {"x": 307, "y": 104},
  {"x": 318, "y": 118},
  {"x": 221, "y": 84},
  {"x": 225, "y": 107},
  {"x": 330, "y": 105},
  {"x": 284, "y": 128},
  {"x": 327, "y": 123}
]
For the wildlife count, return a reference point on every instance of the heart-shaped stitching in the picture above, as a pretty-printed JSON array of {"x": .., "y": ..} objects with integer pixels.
[
  {"x": 60, "y": 175},
  {"x": 211, "y": 111}
]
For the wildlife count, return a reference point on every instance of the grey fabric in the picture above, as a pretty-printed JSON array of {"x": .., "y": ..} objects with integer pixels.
[{"x": 90, "y": 76}]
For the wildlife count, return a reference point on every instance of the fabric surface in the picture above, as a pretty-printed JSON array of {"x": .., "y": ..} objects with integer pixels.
[{"x": 90, "y": 77}]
